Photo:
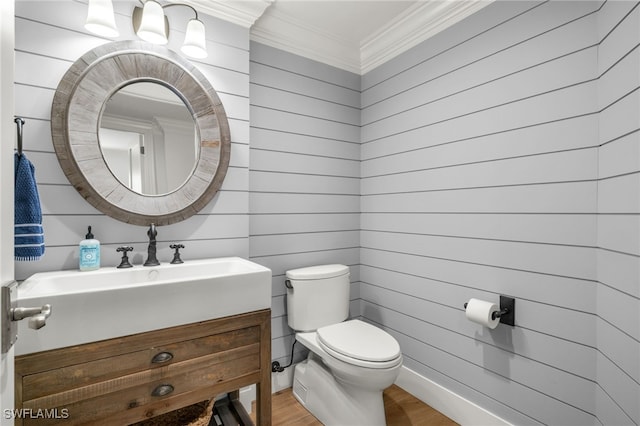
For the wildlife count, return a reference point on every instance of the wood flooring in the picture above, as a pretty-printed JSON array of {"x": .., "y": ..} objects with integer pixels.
[{"x": 402, "y": 409}]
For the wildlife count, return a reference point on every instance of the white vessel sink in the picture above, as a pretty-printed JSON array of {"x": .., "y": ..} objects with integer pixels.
[{"x": 94, "y": 305}]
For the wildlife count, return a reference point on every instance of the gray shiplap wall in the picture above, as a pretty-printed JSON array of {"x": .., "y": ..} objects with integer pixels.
[
  {"x": 49, "y": 37},
  {"x": 500, "y": 157},
  {"x": 304, "y": 173},
  {"x": 491, "y": 165},
  {"x": 618, "y": 293}
]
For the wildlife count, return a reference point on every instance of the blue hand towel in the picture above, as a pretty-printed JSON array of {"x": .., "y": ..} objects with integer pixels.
[{"x": 29, "y": 235}]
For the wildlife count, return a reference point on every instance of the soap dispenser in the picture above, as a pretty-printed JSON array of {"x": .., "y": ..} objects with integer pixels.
[{"x": 89, "y": 253}]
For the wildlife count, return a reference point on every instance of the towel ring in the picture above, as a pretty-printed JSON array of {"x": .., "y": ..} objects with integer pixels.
[{"x": 19, "y": 123}]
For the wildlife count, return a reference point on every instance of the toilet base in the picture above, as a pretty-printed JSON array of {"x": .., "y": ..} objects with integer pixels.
[{"x": 332, "y": 402}]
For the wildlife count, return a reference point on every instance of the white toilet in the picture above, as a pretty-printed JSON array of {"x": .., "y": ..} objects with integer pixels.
[{"x": 350, "y": 363}]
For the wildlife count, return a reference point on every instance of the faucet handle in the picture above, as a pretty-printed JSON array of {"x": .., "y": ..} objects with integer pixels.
[
  {"x": 124, "y": 262},
  {"x": 176, "y": 255}
]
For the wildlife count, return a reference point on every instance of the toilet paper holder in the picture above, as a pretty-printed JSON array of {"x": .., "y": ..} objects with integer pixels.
[{"x": 507, "y": 312}]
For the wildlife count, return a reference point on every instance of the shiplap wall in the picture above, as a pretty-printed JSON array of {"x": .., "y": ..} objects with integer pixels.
[
  {"x": 304, "y": 173},
  {"x": 500, "y": 157},
  {"x": 49, "y": 37},
  {"x": 618, "y": 294},
  {"x": 483, "y": 174}
]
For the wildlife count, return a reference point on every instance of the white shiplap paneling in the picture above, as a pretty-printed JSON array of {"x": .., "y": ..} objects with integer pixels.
[
  {"x": 50, "y": 36},
  {"x": 304, "y": 171},
  {"x": 618, "y": 310},
  {"x": 502, "y": 158}
]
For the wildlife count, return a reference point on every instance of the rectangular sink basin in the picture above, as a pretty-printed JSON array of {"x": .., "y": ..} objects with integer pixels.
[{"x": 89, "y": 306}]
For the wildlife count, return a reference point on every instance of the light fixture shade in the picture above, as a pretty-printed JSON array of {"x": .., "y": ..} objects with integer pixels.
[
  {"x": 101, "y": 19},
  {"x": 152, "y": 28},
  {"x": 195, "y": 43}
]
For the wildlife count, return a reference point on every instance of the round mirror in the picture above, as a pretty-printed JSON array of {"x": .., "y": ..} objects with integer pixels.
[
  {"x": 148, "y": 138},
  {"x": 171, "y": 186}
]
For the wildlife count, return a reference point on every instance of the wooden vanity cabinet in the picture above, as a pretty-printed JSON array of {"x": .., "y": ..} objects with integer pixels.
[{"x": 132, "y": 378}]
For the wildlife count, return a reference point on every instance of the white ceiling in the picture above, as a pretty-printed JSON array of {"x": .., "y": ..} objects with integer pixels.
[{"x": 354, "y": 35}]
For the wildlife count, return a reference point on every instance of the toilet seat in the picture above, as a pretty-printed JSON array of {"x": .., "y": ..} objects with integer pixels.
[{"x": 361, "y": 344}]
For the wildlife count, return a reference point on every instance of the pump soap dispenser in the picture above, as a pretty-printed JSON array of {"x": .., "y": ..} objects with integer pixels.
[{"x": 89, "y": 253}]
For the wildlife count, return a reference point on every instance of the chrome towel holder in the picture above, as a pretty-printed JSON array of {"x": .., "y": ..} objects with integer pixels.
[{"x": 19, "y": 123}]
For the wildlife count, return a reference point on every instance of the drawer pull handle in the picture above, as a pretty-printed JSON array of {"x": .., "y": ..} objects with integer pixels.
[
  {"x": 162, "y": 357},
  {"x": 162, "y": 390}
]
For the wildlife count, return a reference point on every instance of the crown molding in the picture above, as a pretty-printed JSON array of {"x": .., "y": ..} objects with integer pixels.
[
  {"x": 282, "y": 31},
  {"x": 243, "y": 13},
  {"x": 415, "y": 25}
]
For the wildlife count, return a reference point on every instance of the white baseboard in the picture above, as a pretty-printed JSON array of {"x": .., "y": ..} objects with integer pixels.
[
  {"x": 282, "y": 380},
  {"x": 452, "y": 405},
  {"x": 247, "y": 396}
]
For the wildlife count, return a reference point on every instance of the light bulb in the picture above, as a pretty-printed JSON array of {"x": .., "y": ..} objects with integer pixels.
[
  {"x": 152, "y": 28},
  {"x": 101, "y": 19},
  {"x": 195, "y": 43}
]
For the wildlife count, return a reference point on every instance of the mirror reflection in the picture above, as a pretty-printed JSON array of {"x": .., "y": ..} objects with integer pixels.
[{"x": 148, "y": 138}]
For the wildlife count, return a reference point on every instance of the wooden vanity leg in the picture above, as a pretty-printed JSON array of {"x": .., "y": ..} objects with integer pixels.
[{"x": 263, "y": 389}]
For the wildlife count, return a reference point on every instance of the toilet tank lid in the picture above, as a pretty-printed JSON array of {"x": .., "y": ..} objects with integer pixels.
[{"x": 318, "y": 272}]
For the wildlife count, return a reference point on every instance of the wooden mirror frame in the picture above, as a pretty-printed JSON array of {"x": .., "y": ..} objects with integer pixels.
[{"x": 75, "y": 120}]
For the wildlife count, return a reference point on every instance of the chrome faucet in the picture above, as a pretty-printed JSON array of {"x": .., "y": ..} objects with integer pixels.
[{"x": 151, "y": 250}]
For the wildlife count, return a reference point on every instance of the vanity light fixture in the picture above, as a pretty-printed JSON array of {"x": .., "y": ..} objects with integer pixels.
[
  {"x": 101, "y": 19},
  {"x": 151, "y": 24}
]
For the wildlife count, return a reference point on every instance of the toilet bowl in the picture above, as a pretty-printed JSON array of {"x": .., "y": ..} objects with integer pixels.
[{"x": 350, "y": 363}]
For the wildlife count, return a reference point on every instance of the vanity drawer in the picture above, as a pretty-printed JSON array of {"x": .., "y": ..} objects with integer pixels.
[
  {"x": 152, "y": 392},
  {"x": 84, "y": 374}
]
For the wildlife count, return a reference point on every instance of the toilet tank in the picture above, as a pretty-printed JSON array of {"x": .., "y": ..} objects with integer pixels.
[{"x": 317, "y": 296}]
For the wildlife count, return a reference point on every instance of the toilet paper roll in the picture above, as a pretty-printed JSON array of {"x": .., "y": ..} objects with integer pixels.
[{"x": 479, "y": 311}]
